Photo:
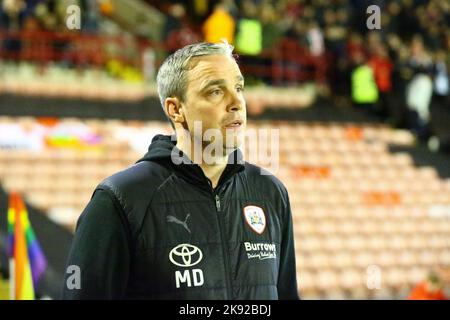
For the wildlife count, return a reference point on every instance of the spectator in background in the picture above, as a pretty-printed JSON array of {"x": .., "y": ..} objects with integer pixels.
[
  {"x": 200, "y": 8},
  {"x": 382, "y": 66},
  {"x": 175, "y": 14},
  {"x": 29, "y": 48},
  {"x": 179, "y": 31},
  {"x": 440, "y": 102},
  {"x": 46, "y": 13},
  {"x": 354, "y": 46},
  {"x": 373, "y": 41},
  {"x": 420, "y": 60},
  {"x": 420, "y": 89},
  {"x": 13, "y": 14},
  {"x": 272, "y": 30},
  {"x": 249, "y": 41},
  {"x": 90, "y": 23},
  {"x": 295, "y": 46},
  {"x": 12, "y": 20},
  {"x": 315, "y": 39},
  {"x": 106, "y": 7},
  {"x": 249, "y": 32},
  {"x": 430, "y": 289},
  {"x": 401, "y": 75},
  {"x": 393, "y": 10},
  {"x": 432, "y": 20},
  {"x": 316, "y": 44},
  {"x": 335, "y": 32},
  {"x": 219, "y": 25},
  {"x": 182, "y": 37},
  {"x": 271, "y": 25},
  {"x": 294, "y": 8},
  {"x": 363, "y": 86},
  {"x": 441, "y": 75}
]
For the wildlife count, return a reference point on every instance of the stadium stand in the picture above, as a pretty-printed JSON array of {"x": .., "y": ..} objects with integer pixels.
[
  {"x": 355, "y": 204},
  {"x": 369, "y": 182}
]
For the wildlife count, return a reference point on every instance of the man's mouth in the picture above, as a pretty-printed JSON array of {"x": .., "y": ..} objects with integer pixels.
[{"x": 234, "y": 124}]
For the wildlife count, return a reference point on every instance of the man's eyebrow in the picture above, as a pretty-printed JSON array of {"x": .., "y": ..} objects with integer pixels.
[{"x": 212, "y": 83}]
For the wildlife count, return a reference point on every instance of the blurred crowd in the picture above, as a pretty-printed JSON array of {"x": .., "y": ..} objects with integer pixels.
[
  {"x": 395, "y": 71},
  {"x": 50, "y": 15},
  {"x": 37, "y": 31}
]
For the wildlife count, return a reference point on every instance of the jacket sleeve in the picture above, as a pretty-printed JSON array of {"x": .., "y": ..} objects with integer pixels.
[
  {"x": 287, "y": 277},
  {"x": 100, "y": 251}
]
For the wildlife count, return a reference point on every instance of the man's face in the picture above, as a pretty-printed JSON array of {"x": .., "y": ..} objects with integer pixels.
[{"x": 214, "y": 96}]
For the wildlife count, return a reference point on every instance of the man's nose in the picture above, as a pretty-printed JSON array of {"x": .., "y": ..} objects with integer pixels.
[{"x": 236, "y": 103}]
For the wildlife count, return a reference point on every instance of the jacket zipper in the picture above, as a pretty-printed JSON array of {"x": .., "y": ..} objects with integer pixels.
[
  {"x": 224, "y": 248},
  {"x": 217, "y": 203}
]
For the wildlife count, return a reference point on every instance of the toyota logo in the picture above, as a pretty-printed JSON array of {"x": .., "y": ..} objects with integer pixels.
[{"x": 185, "y": 255}]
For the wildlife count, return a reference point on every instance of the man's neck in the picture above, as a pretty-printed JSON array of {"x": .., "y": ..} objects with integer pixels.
[{"x": 212, "y": 171}]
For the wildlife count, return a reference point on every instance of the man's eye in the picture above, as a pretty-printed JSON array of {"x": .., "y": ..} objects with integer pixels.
[
  {"x": 239, "y": 89},
  {"x": 215, "y": 92}
]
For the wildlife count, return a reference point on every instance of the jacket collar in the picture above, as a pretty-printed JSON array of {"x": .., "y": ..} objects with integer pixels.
[{"x": 163, "y": 149}]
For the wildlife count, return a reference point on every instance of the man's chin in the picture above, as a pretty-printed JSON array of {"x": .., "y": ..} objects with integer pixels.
[{"x": 234, "y": 143}]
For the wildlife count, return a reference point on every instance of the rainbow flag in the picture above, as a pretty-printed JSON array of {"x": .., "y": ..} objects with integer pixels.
[{"x": 27, "y": 261}]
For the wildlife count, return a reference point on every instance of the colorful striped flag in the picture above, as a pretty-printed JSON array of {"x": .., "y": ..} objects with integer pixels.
[{"x": 27, "y": 261}]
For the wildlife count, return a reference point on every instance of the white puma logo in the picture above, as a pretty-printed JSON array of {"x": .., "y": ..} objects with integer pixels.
[{"x": 183, "y": 223}]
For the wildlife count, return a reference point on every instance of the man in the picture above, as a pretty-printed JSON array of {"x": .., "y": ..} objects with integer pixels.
[{"x": 170, "y": 227}]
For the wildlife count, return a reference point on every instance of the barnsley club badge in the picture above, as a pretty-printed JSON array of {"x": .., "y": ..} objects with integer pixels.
[{"x": 255, "y": 218}]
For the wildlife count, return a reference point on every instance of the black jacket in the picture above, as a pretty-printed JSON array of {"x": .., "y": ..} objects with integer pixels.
[{"x": 158, "y": 230}]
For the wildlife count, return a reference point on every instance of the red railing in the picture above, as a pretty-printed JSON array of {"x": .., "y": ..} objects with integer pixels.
[
  {"x": 285, "y": 63},
  {"x": 71, "y": 47},
  {"x": 289, "y": 63}
]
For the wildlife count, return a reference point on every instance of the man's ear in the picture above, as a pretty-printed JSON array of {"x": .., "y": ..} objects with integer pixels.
[{"x": 174, "y": 110}]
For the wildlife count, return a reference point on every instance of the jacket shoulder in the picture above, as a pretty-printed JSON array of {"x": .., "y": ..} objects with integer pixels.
[
  {"x": 266, "y": 181},
  {"x": 135, "y": 186}
]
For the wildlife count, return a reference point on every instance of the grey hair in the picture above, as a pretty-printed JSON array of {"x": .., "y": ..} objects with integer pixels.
[{"x": 172, "y": 75}]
